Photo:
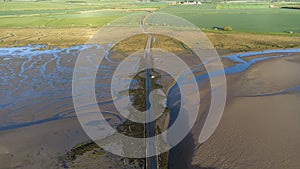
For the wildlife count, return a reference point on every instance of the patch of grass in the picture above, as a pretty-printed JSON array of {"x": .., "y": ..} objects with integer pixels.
[
  {"x": 244, "y": 6},
  {"x": 241, "y": 42},
  {"x": 167, "y": 43},
  {"x": 132, "y": 44},
  {"x": 227, "y": 28},
  {"x": 82, "y": 148}
]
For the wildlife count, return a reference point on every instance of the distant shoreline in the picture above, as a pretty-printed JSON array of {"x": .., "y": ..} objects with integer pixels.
[{"x": 65, "y": 37}]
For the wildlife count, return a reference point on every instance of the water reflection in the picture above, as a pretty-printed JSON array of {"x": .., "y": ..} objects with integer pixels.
[{"x": 35, "y": 81}]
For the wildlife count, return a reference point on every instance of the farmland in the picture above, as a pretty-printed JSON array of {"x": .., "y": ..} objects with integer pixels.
[
  {"x": 258, "y": 18},
  {"x": 56, "y": 22},
  {"x": 61, "y": 14}
]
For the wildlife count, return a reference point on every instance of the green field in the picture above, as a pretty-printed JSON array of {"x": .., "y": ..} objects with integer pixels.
[
  {"x": 66, "y": 14},
  {"x": 61, "y": 19},
  {"x": 263, "y": 20},
  {"x": 257, "y": 18}
]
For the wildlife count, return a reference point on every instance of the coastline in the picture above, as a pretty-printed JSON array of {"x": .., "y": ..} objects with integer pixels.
[
  {"x": 62, "y": 131},
  {"x": 64, "y": 37}
]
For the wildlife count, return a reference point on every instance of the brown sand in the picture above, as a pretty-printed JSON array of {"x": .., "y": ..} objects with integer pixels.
[
  {"x": 259, "y": 132},
  {"x": 255, "y": 132},
  {"x": 39, "y": 146}
]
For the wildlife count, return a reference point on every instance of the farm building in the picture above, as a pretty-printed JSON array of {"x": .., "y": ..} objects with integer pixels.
[{"x": 189, "y": 3}]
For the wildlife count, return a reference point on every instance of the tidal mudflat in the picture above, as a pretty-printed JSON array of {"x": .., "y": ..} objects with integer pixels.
[
  {"x": 37, "y": 109},
  {"x": 261, "y": 119}
]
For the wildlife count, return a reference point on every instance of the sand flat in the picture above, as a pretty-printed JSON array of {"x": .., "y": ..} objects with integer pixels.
[
  {"x": 39, "y": 146},
  {"x": 257, "y": 130}
]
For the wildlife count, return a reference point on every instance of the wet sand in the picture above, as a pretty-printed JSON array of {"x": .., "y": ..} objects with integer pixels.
[
  {"x": 260, "y": 125},
  {"x": 38, "y": 123},
  {"x": 257, "y": 130},
  {"x": 39, "y": 146}
]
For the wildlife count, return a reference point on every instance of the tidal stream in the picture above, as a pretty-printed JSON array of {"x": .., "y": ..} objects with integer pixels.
[{"x": 36, "y": 82}]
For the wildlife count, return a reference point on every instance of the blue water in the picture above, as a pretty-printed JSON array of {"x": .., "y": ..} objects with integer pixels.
[
  {"x": 242, "y": 64},
  {"x": 35, "y": 82}
]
